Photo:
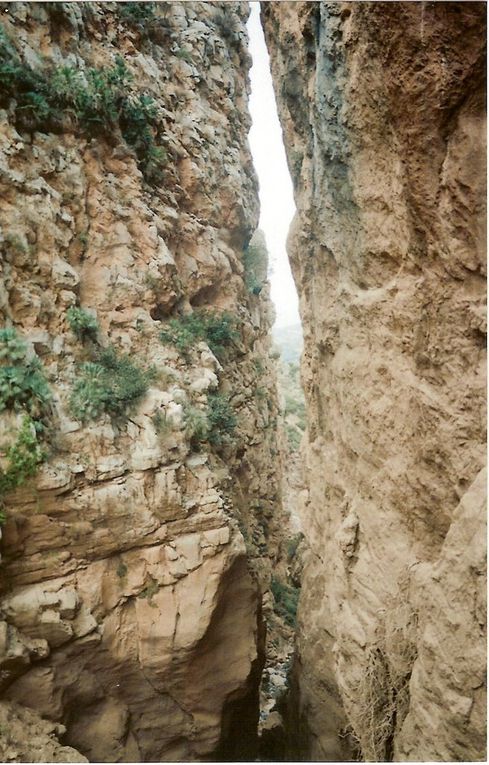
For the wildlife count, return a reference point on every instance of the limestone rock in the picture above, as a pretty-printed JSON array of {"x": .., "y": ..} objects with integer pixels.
[
  {"x": 26, "y": 737},
  {"x": 123, "y": 564},
  {"x": 382, "y": 108}
]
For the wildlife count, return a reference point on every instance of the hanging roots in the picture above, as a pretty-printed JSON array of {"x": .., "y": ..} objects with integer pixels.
[{"x": 382, "y": 695}]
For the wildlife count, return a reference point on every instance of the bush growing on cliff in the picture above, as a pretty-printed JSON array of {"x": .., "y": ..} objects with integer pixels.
[
  {"x": 82, "y": 324},
  {"x": 218, "y": 330},
  {"x": 215, "y": 425},
  {"x": 221, "y": 418},
  {"x": 24, "y": 389},
  {"x": 293, "y": 544},
  {"x": 196, "y": 425},
  {"x": 137, "y": 13},
  {"x": 286, "y": 600},
  {"x": 96, "y": 99},
  {"x": 23, "y": 385},
  {"x": 23, "y": 456},
  {"x": 110, "y": 384},
  {"x": 255, "y": 262}
]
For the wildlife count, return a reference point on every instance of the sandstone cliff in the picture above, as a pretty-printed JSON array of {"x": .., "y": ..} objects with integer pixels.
[
  {"x": 137, "y": 397},
  {"x": 382, "y": 107}
]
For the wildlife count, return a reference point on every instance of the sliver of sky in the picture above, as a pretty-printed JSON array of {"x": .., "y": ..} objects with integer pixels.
[{"x": 276, "y": 196}]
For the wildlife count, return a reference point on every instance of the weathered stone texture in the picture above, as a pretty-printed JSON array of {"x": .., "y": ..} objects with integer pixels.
[
  {"x": 382, "y": 107},
  {"x": 123, "y": 564}
]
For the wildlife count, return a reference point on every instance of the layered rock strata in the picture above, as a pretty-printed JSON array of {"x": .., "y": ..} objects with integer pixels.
[
  {"x": 382, "y": 108},
  {"x": 130, "y": 614}
]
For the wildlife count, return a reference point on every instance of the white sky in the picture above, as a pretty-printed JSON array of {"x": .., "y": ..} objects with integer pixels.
[{"x": 276, "y": 197}]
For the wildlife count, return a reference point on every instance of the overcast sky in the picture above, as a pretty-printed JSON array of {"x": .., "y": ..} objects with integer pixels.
[{"x": 276, "y": 198}]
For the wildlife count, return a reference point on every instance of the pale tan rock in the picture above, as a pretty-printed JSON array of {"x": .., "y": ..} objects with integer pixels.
[
  {"x": 26, "y": 737},
  {"x": 382, "y": 108},
  {"x": 124, "y": 553}
]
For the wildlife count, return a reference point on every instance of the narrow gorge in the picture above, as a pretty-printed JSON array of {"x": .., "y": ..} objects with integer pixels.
[{"x": 156, "y": 527}]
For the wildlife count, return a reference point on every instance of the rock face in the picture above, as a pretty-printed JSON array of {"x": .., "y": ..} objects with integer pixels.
[
  {"x": 130, "y": 615},
  {"x": 382, "y": 107},
  {"x": 25, "y": 737}
]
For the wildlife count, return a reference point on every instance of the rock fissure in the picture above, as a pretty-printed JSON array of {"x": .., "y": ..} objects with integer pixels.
[{"x": 204, "y": 557}]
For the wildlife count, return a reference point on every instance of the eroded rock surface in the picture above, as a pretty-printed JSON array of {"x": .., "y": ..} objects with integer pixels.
[
  {"x": 382, "y": 107},
  {"x": 130, "y": 614},
  {"x": 26, "y": 737}
]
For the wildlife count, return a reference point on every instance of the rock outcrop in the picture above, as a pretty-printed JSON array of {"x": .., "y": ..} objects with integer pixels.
[
  {"x": 25, "y": 737},
  {"x": 130, "y": 614},
  {"x": 382, "y": 107}
]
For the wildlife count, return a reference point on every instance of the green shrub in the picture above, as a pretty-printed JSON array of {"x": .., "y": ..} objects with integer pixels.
[
  {"x": 162, "y": 424},
  {"x": 215, "y": 425},
  {"x": 286, "y": 600},
  {"x": 184, "y": 54},
  {"x": 293, "y": 544},
  {"x": 24, "y": 456},
  {"x": 221, "y": 419},
  {"x": 150, "y": 590},
  {"x": 97, "y": 99},
  {"x": 255, "y": 261},
  {"x": 22, "y": 381},
  {"x": 82, "y": 324},
  {"x": 196, "y": 425},
  {"x": 111, "y": 384},
  {"x": 294, "y": 437},
  {"x": 294, "y": 406},
  {"x": 15, "y": 244},
  {"x": 218, "y": 330},
  {"x": 136, "y": 13}
]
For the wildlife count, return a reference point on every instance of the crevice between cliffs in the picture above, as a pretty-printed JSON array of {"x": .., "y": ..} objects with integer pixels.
[{"x": 285, "y": 551}]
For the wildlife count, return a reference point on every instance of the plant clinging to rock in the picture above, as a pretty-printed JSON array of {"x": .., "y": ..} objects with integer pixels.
[
  {"x": 218, "y": 330},
  {"x": 111, "y": 384},
  {"x": 23, "y": 456},
  {"x": 23, "y": 385},
  {"x": 82, "y": 324}
]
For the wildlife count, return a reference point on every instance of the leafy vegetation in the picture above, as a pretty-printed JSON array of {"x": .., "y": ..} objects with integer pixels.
[
  {"x": 16, "y": 245},
  {"x": 184, "y": 54},
  {"x": 23, "y": 389},
  {"x": 23, "y": 456},
  {"x": 137, "y": 13},
  {"x": 111, "y": 384},
  {"x": 98, "y": 100},
  {"x": 215, "y": 425},
  {"x": 218, "y": 330},
  {"x": 221, "y": 418},
  {"x": 294, "y": 437},
  {"x": 162, "y": 424},
  {"x": 82, "y": 324},
  {"x": 23, "y": 385},
  {"x": 149, "y": 591},
  {"x": 293, "y": 544},
  {"x": 286, "y": 600},
  {"x": 196, "y": 425},
  {"x": 255, "y": 262}
]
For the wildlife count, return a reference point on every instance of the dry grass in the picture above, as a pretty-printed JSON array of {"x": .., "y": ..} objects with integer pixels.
[{"x": 382, "y": 695}]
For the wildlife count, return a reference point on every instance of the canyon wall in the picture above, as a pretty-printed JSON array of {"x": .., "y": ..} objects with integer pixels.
[
  {"x": 382, "y": 107},
  {"x": 138, "y": 464}
]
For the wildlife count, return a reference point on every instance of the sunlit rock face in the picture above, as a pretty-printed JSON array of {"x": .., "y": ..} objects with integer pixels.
[
  {"x": 382, "y": 107},
  {"x": 130, "y": 613}
]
